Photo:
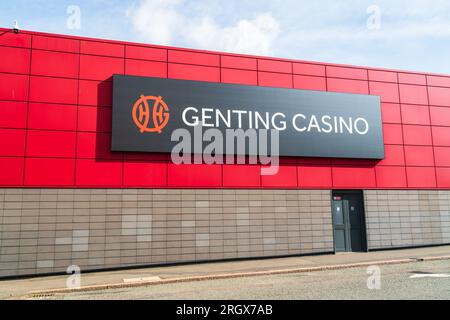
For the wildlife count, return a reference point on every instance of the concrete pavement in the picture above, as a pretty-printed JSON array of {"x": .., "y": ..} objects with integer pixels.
[
  {"x": 429, "y": 280},
  {"x": 13, "y": 289}
]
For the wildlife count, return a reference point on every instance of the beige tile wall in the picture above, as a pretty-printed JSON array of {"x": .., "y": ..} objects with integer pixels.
[
  {"x": 398, "y": 218},
  {"x": 47, "y": 230}
]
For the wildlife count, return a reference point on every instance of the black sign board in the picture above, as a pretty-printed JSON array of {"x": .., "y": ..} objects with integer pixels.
[{"x": 146, "y": 111}]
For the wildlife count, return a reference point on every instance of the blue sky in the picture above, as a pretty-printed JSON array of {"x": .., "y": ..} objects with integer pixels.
[{"x": 401, "y": 34}]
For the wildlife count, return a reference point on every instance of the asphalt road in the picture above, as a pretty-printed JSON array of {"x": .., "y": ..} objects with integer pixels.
[{"x": 421, "y": 280}]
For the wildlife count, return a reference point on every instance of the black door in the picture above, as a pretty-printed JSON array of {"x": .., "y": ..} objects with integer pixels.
[{"x": 348, "y": 221}]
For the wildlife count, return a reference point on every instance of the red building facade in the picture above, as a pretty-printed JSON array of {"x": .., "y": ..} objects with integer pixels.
[{"x": 55, "y": 125}]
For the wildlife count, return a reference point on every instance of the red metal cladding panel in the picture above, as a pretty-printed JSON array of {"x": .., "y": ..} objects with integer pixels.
[
  {"x": 443, "y": 177},
  {"x": 412, "y": 78},
  {"x": 144, "y": 174},
  {"x": 100, "y": 68},
  {"x": 12, "y": 142},
  {"x": 191, "y": 175},
  {"x": 347, "y": 73},
  {"x": 146, "y": 157},
  {"x": 9, "y": 38},
  {"x": 145, "y": 53},
  {"x": 53, "y": 101},
  {"x": 287, "y": 160},
  {"x": 441, "y": 136},
  {"x": 286, "y": 177},
  {"x": 14, "y": 60},
  {"x": 271, "y": 79},
  {"x": 413, "y": 94},
  {"x": 94, "y": 119},
  {"x": 238, "y": 62},
  {"x": 353, "y": 162},
  {"x": 56, "y": 44},
  {"x": 102, "y": 48},
  {"x": 13, "y": 114},
  {"x": 439, "y": 96},
  {"x": 417, "y": 135},
  {"x": 390, "y": 113},
  {"x": 438, "y": 81},
  {"x": 98, "y": 173},
  {"x": 391, "y": 177},
  {"x": 392, "y": 134},
  {"x": 96, "y": 146},
  {"x": 146, "y": 68},
  {"x": 394, "y": 156},
  {"x": 415, "y": 114},
  {"x": 387, "y": 91},
  {"x": 314, "y": 161},
  {"x": 419, "y": 156},
  {"x": 348, "y": 86},
  {"x": 309, "y": 69},
  {"x": 353, "y": 177},
  {"x": 440, "y": 116},
  {"x": 51, "y": 144},
  {"x": 52, "y": 116},
  {"x": 13, "y": 87},
  {"x": 421, "y": 177},
  {"x": 244, "y": 175},
  {"x": 247, "y": 77},
  {"x": 197, "y": 58},
  {"x": 314, "y": 176},
  {"x": 54, "y": 90},
  {"x": 95, "y": 93},
  {"x": 382, "y": 76},
  {"x": 442, "y": 156},
  {"x": 11, "y": 171},
  {"x": 49, "y": 172},
  {"x": 310, "y": 83},
  {"x": 190, "y": 72},
  {"x": 274, "y": 66},
  {"x": 58, "y": 64}
]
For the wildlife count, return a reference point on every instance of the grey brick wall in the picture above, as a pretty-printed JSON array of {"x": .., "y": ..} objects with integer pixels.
[
  {"x": 46, "y": 230},
  {"x": 399, "y": 218}
]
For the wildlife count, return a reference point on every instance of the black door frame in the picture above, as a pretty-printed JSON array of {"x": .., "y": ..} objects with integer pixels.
[{"x": 360, "y": 194}]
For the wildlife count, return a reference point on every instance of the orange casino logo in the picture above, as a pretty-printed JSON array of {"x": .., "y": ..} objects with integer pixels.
[{"x": 150, "y": 119}]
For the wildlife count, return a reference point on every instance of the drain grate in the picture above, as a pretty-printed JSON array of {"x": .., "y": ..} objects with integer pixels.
[{"x": 42, "y": 295}]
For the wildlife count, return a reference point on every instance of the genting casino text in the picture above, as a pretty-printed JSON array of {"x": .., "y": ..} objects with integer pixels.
[{"x": 242, "y": 119}]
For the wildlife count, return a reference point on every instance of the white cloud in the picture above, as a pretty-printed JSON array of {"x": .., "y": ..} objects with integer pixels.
[
  {"x": 156, "y": 20},
  {"x": 172, "y": 23},
  {"x": 414, "y": 34}
]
